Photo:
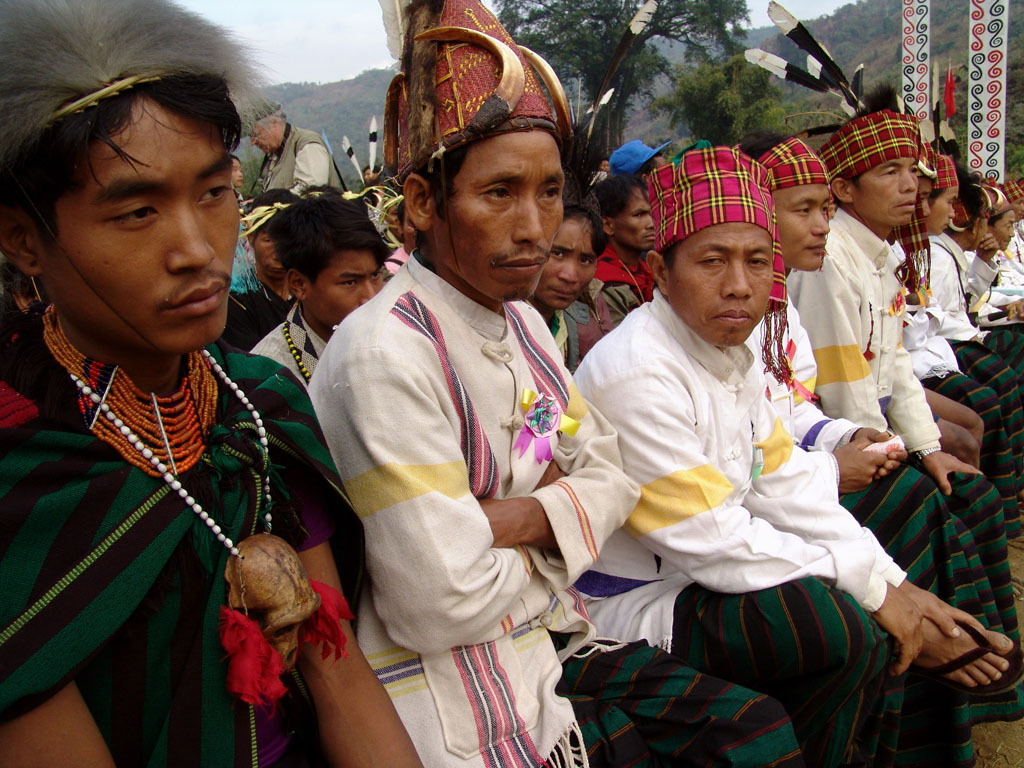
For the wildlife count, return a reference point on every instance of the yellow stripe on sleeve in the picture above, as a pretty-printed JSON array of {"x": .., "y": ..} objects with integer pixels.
[
  {"x": 777, "y": 448},
  {"x": 840, "y": 364},
  {"x": 390, "y": 484},
  {"x": 677, "y": 497},
  {"x": 577, "y": 407}
]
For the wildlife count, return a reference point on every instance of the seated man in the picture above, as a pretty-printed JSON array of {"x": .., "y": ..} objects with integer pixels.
[
  {"x": 334, "y": 258},
  {"x": 117, "y": 405},
  {"x": 733, "y": 558},
  {"x": 576, "y": 317},
  {"x": 442, "y": 400},
  {"x": 255, "y": 310},
  {"x": 626, "y": 214},
  {"x": 858, "y": 299},
  {"x": 900, "y": 505}
]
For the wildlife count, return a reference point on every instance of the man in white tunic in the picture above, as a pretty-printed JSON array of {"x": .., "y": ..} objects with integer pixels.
[
  {"x": 733, "y": 558},
  {"x": 485, "y": 483}
]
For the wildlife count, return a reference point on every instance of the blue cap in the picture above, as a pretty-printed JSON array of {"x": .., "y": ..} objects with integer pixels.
[{"x": 631, "y": 156}]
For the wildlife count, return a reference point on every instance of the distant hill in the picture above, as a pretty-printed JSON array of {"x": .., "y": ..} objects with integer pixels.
[{"x": 866, "y": 31}]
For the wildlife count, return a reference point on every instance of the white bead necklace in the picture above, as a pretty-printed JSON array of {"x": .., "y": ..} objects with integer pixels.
[{"x": 168, "y": 476}]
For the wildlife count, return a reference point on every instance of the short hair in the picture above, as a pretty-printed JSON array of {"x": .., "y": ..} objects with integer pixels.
[
  {"x": 598, "y": 239},
  {"x": 56, "y": 52},
  {"x": 614, "y": 193},
  {"x": 756, "y": 143},
  {"x": 308, "y": 233},
  {"x": 40, "y": 179},
  {"x": 274, "y": 196}
]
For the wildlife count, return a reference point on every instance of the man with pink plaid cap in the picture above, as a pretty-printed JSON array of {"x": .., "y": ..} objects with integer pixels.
[{"x": 731, "y": 559}]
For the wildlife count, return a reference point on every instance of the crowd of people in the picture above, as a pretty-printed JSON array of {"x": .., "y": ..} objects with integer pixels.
[{"x": 712, "y": 462}]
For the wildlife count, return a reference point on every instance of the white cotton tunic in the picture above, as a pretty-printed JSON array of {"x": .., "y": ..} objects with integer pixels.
[
  {"x": 693, "y": 422},
  {"x": 457, "y": 629},
  {"x": 854, "y": 304}
]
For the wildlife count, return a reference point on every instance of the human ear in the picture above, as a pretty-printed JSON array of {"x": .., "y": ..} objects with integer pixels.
[
  {"x": 298, "y": 285},
  {"x": 608, "y": 224},
  {"x": 19, "y": 240},
  {"x": 419, "y": 202},
  {"x": 659, "y": 269},
  {"x": 842, "y": 190}
]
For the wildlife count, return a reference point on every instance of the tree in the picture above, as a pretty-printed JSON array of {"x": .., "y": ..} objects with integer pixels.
[
  {"x": 577, "y": 37},
  {"x": 723, "y": 102}
]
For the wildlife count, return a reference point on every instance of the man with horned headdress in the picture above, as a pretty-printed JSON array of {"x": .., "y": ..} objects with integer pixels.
[
  {"x": 485, "y": 483},
  {"x": 901, "y": 506},
  {"x": 148, "y": 614}
]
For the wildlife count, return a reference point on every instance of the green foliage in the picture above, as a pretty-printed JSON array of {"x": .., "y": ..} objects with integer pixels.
[
  {"x": 722, "y": 102},
  {"x": 578, "y": 37}
]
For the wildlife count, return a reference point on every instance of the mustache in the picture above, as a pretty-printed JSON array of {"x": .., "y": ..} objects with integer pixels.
[
  {"x": 534, "y": 253},
  {"x": 214, "y": 279}
]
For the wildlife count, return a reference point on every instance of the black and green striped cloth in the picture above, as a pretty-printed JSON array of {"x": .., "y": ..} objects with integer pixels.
[{"x": 111, "y": 581}]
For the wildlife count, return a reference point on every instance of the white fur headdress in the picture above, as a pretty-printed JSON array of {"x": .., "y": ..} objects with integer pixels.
[{"x": 56, "y": 52}]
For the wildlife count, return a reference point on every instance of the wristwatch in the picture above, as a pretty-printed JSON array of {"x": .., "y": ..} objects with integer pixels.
[{"x": 919, "y": 455}]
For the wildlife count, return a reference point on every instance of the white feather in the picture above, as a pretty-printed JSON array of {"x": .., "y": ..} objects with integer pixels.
[
  {"x": 774, "y": 64},
  {"x": 373, "y": 144},
  {"x": 604, "y": 100},
  {"x": 813, "y": 66},
  {"x": 643, "y": 17},
  {"x": 393, "y": 12},
  {"x": 782, "y": 18}
]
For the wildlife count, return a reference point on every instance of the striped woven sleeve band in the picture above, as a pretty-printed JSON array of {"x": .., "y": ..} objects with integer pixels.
[
  {"x": 791, "y": 163},
  {"x": 868, "y": 141},
  {"x": 721, "y": 185},
  {"x": 946, "y": 173}
]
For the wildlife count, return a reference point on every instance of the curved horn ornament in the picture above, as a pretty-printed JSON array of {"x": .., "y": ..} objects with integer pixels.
[
  {"x": 500, "y": 104},
  {"x": 555, "y": 89}
]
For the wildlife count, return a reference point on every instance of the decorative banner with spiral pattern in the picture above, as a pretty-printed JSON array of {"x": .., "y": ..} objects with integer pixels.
[
  {"x": 917, "y": 57},
  {"x": 986, "y": 91}
]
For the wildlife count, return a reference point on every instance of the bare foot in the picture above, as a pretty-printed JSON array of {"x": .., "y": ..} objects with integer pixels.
[{"x": 939, "y": 649}]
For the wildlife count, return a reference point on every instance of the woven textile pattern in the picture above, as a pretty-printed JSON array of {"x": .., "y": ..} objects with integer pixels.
[
  {"x": 792, "y": 163},
  {"x": 868, "y": 141},
  {"x": 946, "y": 171}
]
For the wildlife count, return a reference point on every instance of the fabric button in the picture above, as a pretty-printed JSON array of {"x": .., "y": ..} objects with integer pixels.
[{"x": 546, "y": 619}]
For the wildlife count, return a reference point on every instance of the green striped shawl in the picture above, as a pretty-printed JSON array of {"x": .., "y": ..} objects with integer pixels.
[{"x": 85, "y": 538}]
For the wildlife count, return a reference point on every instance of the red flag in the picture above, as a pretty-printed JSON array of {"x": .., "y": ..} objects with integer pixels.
[{"x": 948, "y": 97}]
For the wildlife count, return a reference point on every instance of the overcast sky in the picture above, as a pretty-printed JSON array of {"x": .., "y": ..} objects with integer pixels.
[{"x": 324, "y": 41}]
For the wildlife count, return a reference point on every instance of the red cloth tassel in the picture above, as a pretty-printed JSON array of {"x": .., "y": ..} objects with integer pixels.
[
  {"x": 324, "y": 625},
  {"x": 254, "y": 666}
]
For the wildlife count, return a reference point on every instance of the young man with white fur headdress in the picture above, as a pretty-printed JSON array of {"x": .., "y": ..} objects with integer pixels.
[
  {"x": 485, "y": 483},
  {"x": 149, "y": 617}
]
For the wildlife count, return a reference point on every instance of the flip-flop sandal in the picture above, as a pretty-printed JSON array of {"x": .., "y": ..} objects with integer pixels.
[{"x": 1011, "y": 678}]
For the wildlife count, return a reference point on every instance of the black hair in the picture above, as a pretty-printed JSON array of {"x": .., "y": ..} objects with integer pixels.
[
  {"x": 321, "y": 189},
  {"x": 598, "y": 239},
  {"x": 971, "y": 195},
  {"x": 273, "y": 196},
  {"x": 615, "y": 192},
  {"x": 236, "y": 157},
  {"x": 452, "y": 162},
  {"x": 883, "y": 96},
  {"x": 35, "y": 183},
  {"x": 310, "y": 232},
  {"x": 993, "y": 219},
  {"x": 756, "y": 143}
]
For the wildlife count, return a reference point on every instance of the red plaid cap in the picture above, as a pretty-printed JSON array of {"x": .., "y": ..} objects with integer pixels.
[
  {"x": 946, "y": 173},
  {"x": 792, "y": 163},
  {"x": 961, "y": 219},
  {"x": 871, "y": 140},
  {"x": 721, "y": 185},
  {"x": 1014, "y": 191},
  {"x": 998, "y": 202}
]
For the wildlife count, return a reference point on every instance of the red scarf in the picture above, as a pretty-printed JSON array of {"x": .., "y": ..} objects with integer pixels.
[{"x": 613, "y": 271}]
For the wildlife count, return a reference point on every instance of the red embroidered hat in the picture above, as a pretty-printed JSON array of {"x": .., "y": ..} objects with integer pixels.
[
  {"x": 1014, "y": 191},
  {"x": 945, "y": 169},
  {"x": 464, "y": 78},
  {"x": 791, "y": 163},
  {"x": 721, "y": 185},
  {"x": 871, "y": 140}
]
